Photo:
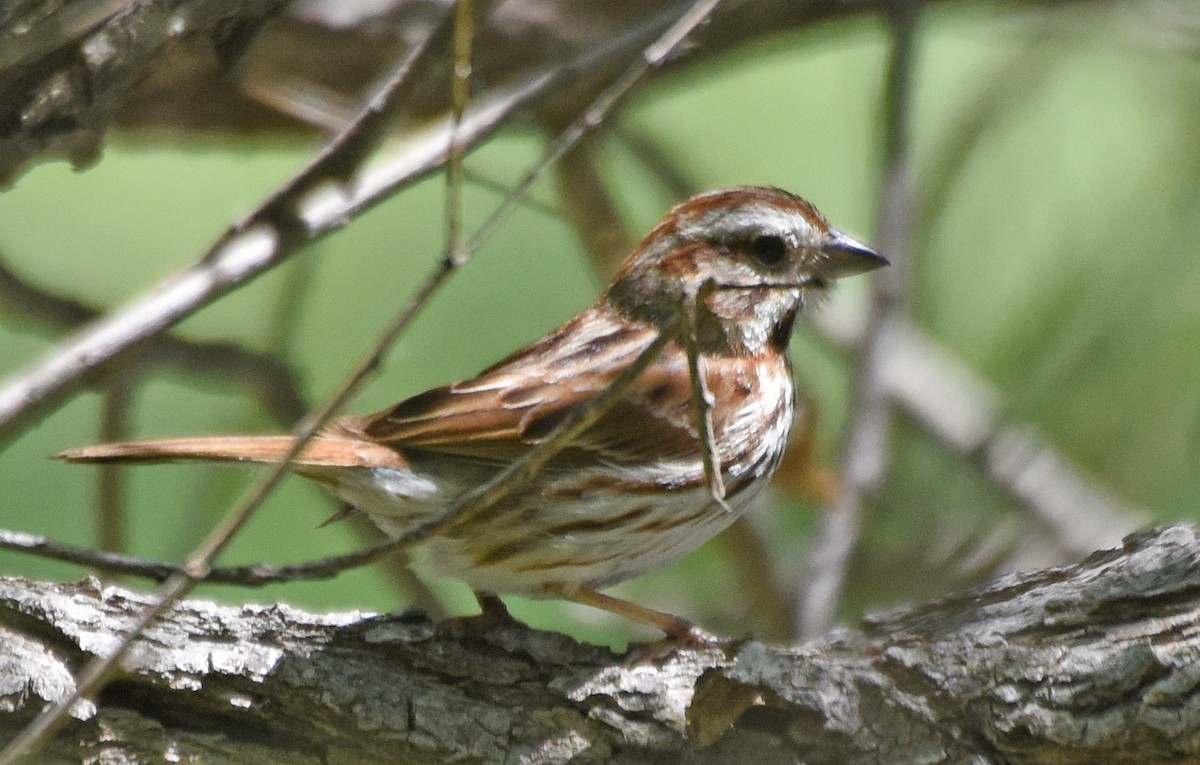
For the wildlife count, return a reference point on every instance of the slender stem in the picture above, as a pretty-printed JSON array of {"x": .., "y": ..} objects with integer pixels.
[
  {"x": 864, "y": 464},
  {"x": 460, "y": 91},
  {"x": 702, "y": 397},
  {"x": 110, "y": 480}
]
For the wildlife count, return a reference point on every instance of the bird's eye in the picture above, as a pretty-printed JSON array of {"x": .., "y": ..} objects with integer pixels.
[{"x": 768, "y": 249}]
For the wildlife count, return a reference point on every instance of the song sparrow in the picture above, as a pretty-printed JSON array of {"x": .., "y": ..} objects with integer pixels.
[{"x": 639, "y": 487}]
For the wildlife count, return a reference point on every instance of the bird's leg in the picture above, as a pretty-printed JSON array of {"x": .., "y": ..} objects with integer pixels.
[
  {"x": 702, "y": 397},
  {"x": 344, "y": 511},
  {"x": 679, "y": 631},
  {"x": 493, "y": 614},
  {"x": 492, "y": 610}
]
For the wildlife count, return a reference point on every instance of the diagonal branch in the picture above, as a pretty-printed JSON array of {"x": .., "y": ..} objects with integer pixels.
[
  {"x": 864, "y": 462},
  {"x": 949, "y": 400}
]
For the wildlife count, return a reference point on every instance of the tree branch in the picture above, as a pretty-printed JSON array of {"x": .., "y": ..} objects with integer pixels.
[
  {"x": 267, "y": 67},
  {"x": 866, "y": 455},
  {"x": 1070, "y": 665},
  {"x": 269, "y": 379}
]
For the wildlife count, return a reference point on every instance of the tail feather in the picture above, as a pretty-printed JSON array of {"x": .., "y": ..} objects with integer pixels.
[{"x": 321, "y": 451}]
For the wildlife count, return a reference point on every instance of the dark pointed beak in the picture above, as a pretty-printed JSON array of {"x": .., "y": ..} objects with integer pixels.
[{"x": 846, "y": 257}]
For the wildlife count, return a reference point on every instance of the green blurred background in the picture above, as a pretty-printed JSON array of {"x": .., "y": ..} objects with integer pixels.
[{"x": 1056, "y": 171}]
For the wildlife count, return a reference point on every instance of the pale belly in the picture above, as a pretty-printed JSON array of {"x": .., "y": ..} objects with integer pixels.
[
  {"x": 586, "y": 544},
  {"x": 530, "y": 542}
]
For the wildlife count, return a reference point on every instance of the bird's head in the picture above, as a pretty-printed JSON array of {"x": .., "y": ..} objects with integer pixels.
[{"x": 752, "y": 255}]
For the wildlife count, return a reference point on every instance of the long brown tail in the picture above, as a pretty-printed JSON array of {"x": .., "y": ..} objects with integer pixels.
[{"x": 322, "y": 451}]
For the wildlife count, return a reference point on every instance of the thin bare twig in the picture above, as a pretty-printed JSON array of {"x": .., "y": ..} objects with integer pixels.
[
  {"x": 865, "y": 461},
  {"x": 460, "y": 91},
  {"x": 702, "y": 397},
  {"x": 529, "y": 201},
  {"x": 250, "y": 575},
  {"x": 110, "y": 479},
  {"x": 98, "y": 560}
]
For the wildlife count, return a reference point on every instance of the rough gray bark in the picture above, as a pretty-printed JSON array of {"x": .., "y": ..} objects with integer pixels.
[{"x": 1095, "y": 662}]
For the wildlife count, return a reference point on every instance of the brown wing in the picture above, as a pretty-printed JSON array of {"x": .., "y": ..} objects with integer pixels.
[{"x": 518, "y": 402}]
